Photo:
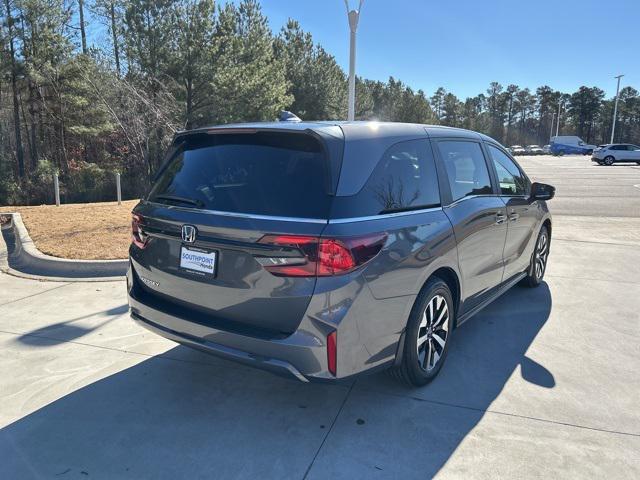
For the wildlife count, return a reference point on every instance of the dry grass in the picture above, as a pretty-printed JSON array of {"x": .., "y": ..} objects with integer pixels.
[{"x": 87, "y": 231}]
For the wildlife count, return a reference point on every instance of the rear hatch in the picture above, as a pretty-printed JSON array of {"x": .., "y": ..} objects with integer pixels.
[{"x": 206, "y": 236}]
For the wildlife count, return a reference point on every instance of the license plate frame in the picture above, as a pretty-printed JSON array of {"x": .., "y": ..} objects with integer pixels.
[{"x": 198, "y": 261}]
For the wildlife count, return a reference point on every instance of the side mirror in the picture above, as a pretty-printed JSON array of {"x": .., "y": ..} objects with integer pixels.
[{"x": 542, "y": 191}]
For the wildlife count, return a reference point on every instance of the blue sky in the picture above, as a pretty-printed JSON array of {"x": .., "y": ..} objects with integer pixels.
[{"x": 463, "y": 45}]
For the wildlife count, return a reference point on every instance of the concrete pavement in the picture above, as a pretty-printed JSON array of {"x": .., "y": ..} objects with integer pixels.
[{"x": 542, "y": 384}]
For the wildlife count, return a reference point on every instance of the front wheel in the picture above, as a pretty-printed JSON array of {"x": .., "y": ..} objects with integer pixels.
[
  {"x": 538, "y": 264},
  {"x": 608, "y": 161},
  {"x": 428, "y": 334}
]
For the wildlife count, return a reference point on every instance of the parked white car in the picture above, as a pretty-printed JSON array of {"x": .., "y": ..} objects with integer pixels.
[
  {"x": 616, "y": 152},
  {"x": 517, "y": 150},
  {"x": 534, "y": 150}
]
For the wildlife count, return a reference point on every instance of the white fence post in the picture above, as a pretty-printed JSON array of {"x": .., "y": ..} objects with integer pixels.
[
  {"x": 118, "y": 189},
  {"x": 56, "y": 187}
]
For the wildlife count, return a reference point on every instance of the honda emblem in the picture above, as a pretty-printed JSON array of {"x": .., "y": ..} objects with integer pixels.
[{"x": 189, "y": 233}]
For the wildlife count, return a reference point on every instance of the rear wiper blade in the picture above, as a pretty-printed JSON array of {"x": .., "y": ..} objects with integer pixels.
[{"x": 175, "y": 198}]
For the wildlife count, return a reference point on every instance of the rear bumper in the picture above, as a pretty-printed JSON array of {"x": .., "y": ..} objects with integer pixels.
[
  {"x": 279, "y": 367},
  {"x": 301, "y": 355}
]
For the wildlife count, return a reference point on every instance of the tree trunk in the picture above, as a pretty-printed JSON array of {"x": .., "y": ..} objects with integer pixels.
[
  {"x": 33, "y": 118},
  {"x": 189, "y": 122},
  {"x": 83, "y": 34},
  {"x": 114, "y": 33},
  {"x": 14, "y": 88}
]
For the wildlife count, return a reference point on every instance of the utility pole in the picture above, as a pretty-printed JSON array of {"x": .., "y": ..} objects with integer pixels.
[
  {"x": 354, "y": 17},
  {"x": 615, "y": 109},
  {"x": 553, "y": 119},
  {"x": 558, "y": 125}
]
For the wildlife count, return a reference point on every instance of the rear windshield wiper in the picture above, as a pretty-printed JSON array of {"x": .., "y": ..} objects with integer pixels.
[{"x": 177, "y": 199}]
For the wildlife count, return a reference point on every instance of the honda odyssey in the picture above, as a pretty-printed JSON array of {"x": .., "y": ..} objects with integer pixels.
[{"x": 322, "y": 250}]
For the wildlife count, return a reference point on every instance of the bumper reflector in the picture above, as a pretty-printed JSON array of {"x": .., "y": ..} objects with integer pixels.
[{"x": 332, "y": 352}]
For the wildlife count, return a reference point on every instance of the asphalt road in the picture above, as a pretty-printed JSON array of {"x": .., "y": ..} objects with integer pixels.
[
  {"x": 543, "y": 383},
  {"x": 585, "y": 188}
]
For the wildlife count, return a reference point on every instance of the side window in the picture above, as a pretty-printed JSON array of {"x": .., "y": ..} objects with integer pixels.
[
  {"x": 404, "y": 179},
  {"x": 466, "y": 168},
  {"x": 511, "y": 179}
]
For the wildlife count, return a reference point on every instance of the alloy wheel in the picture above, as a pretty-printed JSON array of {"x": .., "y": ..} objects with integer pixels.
[
  {"x": 433, "y": 333},
  {"x": 542, "y": 251}
]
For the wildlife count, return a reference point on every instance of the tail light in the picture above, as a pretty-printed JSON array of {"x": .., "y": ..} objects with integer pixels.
[
  {"x": 332, "y": 352},
  {"x": 138, "y": 237},
  {"x": 307, "y": 256}
]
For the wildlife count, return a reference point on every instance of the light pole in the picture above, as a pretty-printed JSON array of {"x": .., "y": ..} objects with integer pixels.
[
  {"x": 558, "y": 125},
  {"x": 615, "y": 108},
  {"x": 553, "y": 119},
  {"x": 354, "y": 16}
]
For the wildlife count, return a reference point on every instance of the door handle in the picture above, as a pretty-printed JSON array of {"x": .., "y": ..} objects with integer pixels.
[
  {"x": 514, "y": 216},
  {"x": 500, "y": 218}
]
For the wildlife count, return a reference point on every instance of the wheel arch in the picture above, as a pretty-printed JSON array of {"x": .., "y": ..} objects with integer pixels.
[{"x": 449, "y": 276}]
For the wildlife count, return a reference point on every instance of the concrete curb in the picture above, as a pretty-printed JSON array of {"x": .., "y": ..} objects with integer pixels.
[{"x": 19, "y": 256}]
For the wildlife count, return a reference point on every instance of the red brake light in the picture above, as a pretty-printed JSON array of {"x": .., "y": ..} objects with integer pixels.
[
  {"x": 334, "y": 258},
  {"x": 317, "y": 256},
  {"x": 138, "y": 238},
  {"x": 332, "y": 352}
]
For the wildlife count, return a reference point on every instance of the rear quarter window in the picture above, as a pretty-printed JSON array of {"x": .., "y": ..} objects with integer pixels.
[
  {"x": 264, "y": 173},
  {"x": 404, "y": 179}
]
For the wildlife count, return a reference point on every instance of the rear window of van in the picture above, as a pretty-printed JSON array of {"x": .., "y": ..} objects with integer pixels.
[{"x": 262, "y": 173}]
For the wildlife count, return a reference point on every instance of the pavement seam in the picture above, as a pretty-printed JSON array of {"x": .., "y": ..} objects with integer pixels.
[
  {"x": 346, "y": 397},
  {"x": 596, "y": 243},
  {"x": 34, "y": 295},
  {"x": 506, "y": 414},
  {"x": 160, "y": 356},
  {"x": 564, "y": 277},
  {"x": 103, "y": 347}
]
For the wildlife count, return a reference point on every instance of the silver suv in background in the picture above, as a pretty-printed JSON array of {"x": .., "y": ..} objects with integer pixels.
[{"x": 616, "y": 152}]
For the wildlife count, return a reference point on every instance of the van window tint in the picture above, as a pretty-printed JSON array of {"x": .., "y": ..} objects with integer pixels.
[
  {"x": 264, "y": 173},
  {"x": 510, "y": 178},
  {"x": 466, "y": 168},
  {"x": 404, "y": 179}
]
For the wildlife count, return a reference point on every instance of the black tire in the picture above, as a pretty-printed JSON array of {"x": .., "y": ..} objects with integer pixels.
[
  {"x": 414, "y": 369},
  {"x": 535, "y": 275},
  {"x": 561, "y": 153},
  {"x": 608, "y": 160}
]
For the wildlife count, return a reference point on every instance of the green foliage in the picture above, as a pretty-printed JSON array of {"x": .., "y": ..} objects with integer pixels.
[
  {"x": 165, "y": 65},
  {"x": 317, "y": 84}
]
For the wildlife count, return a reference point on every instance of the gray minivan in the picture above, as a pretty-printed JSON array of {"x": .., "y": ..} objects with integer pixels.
[{"x": 321, "y": 250}]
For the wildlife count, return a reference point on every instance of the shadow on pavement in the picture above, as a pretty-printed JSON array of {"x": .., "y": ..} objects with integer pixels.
[
  {"x": 66, "y": 331},
  {"x": 414, "y": 432},
  {"x": 206, "y": 418}
]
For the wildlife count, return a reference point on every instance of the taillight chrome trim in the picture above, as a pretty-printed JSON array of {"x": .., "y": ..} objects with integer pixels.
[
  {"x": 239, "y": 215},
  {"x": 333, "y": 221}
]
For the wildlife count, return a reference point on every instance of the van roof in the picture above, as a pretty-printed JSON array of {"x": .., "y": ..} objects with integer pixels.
[{"x": 358, "y": 129}]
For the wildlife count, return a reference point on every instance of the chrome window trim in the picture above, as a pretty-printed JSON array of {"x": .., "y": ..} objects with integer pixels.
[
  {"x": 334, "y": 221},
  {"x": 239, "y": 215},
  {"x": 468, "y": 197},
  {"x": 296, "y": 219}
]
